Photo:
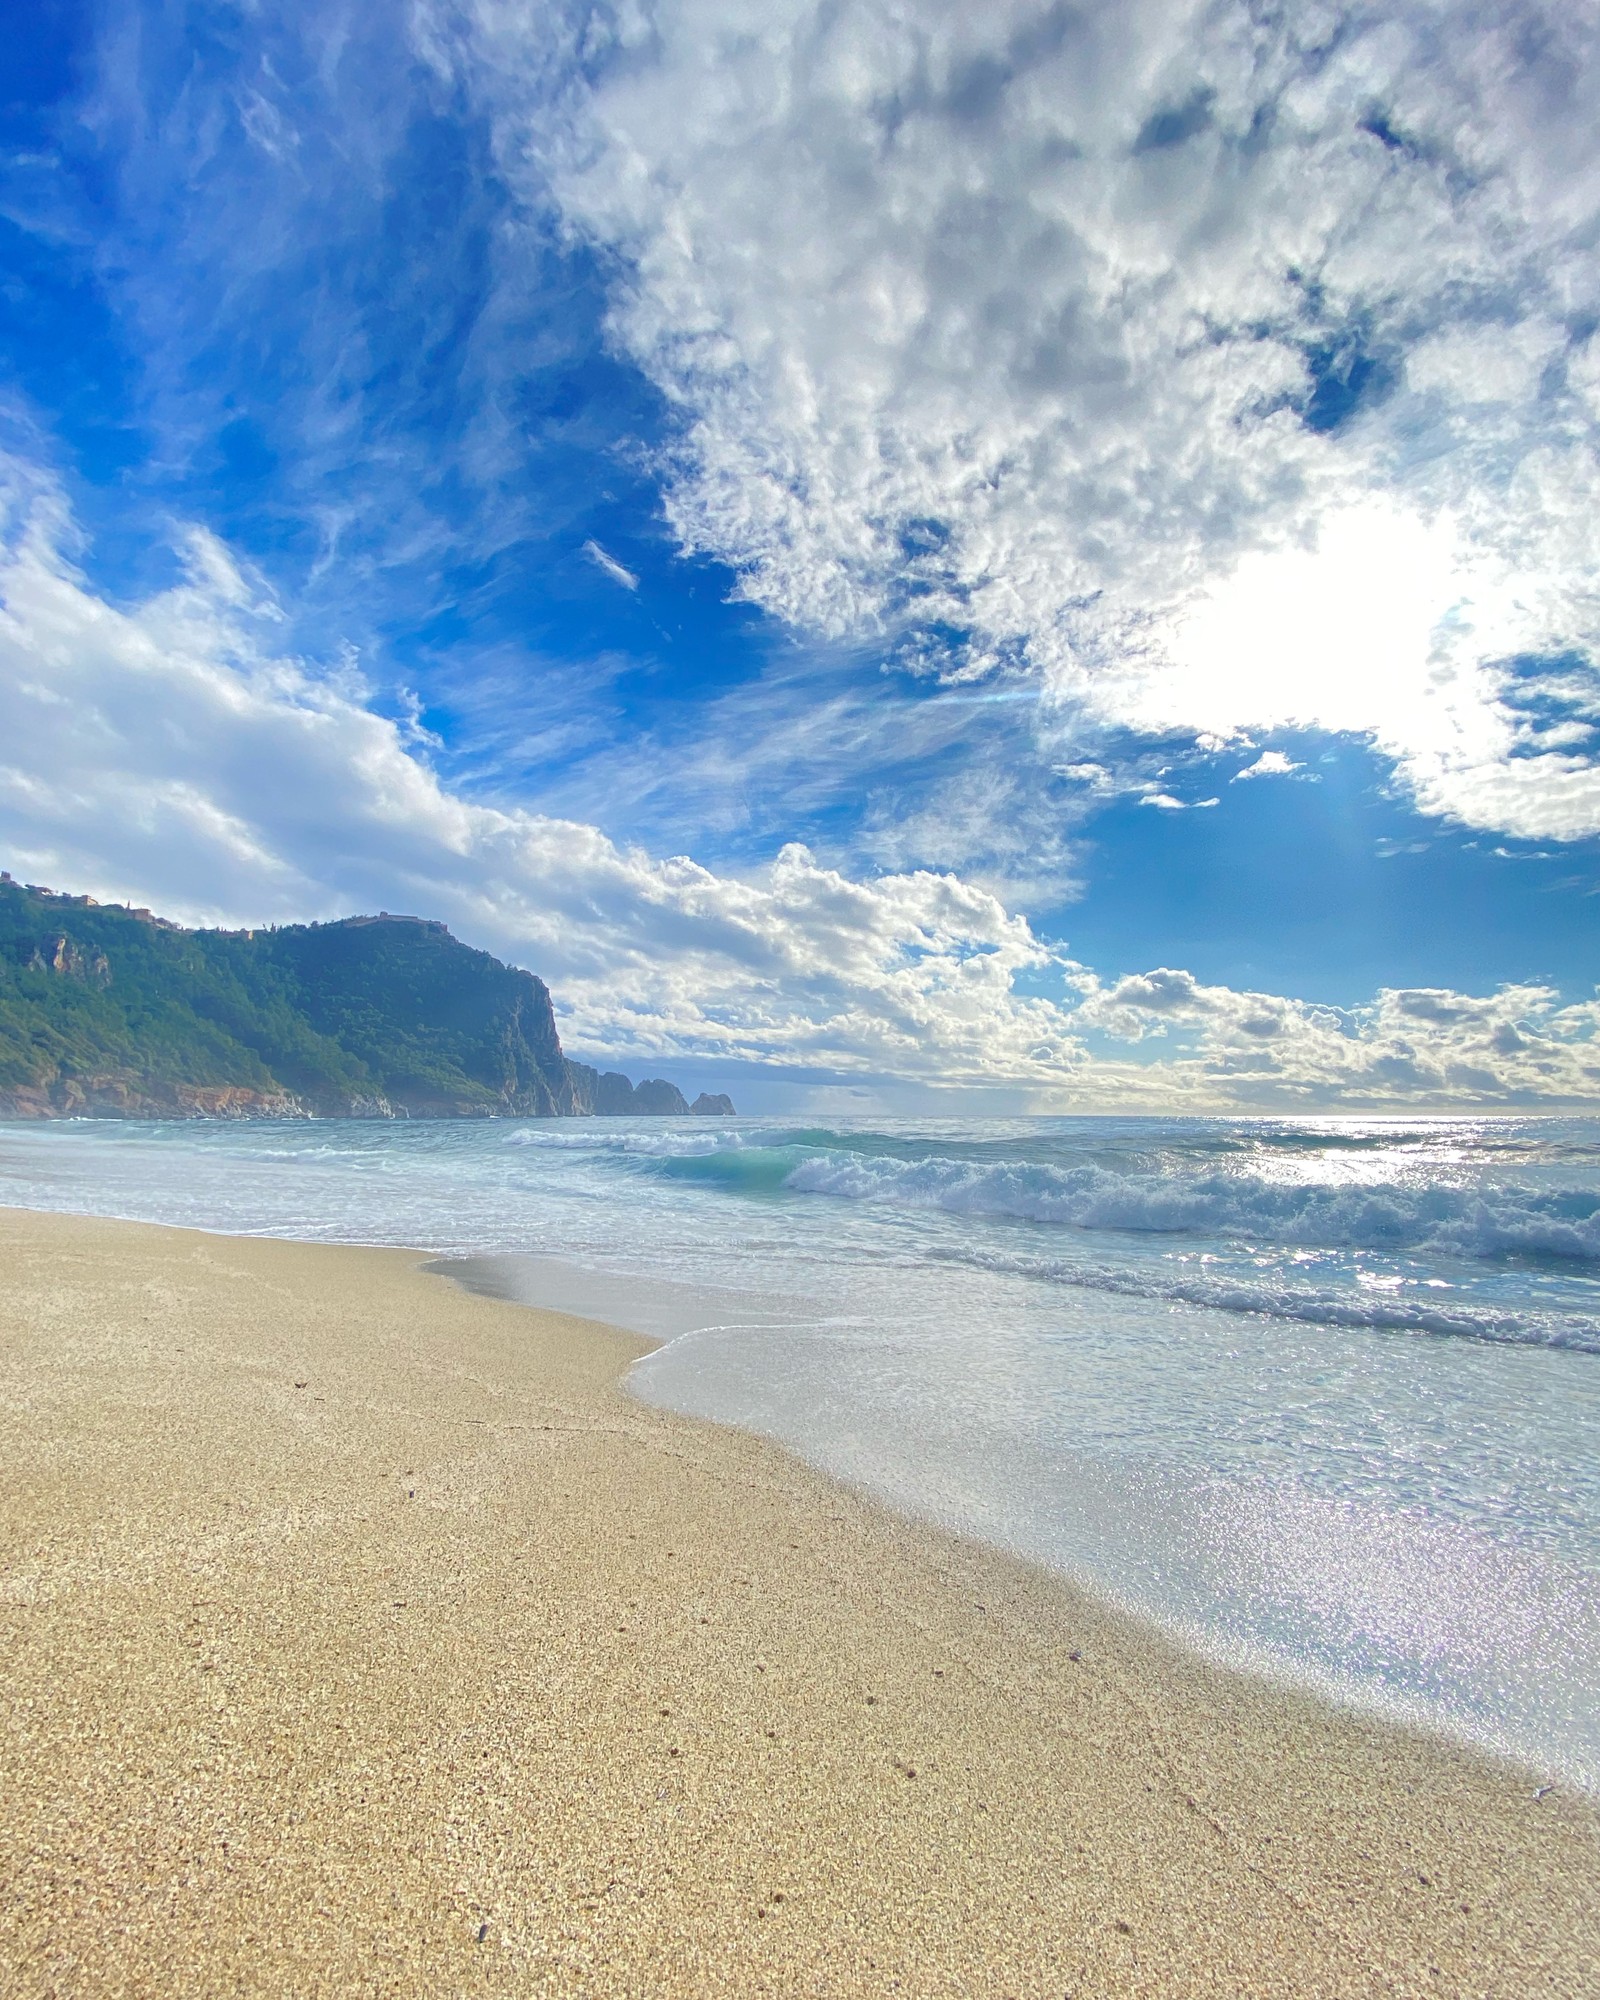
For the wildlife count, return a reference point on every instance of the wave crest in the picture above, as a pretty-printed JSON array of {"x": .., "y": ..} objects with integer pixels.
[{"x": 1471, "y": 1223}]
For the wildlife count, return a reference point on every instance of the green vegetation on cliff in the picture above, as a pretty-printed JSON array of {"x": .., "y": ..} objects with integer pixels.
[{"x": 115, "y": 1012}]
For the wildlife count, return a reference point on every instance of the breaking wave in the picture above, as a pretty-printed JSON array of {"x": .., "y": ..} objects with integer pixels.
[
  {"x": 1164, "y": 1218},
  {"x": 1504, "y": 1222}
]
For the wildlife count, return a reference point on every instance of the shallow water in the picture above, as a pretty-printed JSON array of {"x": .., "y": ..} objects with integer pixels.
[{"x": 1323, "y": 1395}]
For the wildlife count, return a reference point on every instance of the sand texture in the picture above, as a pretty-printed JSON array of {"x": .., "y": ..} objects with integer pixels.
[{"x": 362, "y": 1637}]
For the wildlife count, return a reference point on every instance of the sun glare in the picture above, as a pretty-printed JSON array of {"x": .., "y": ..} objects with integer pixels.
[{"x": 1351, "y": 634}]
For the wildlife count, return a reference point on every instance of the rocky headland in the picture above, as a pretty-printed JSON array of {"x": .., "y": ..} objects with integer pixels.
[{"x": 113, "y": 1012}]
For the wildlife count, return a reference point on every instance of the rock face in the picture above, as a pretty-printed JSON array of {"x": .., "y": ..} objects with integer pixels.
[
  {"x": 607, "y": 1095},
  {"x": 113, "y": 1013},
  {"x": 713, "y": 1105},
  {"x": 70, "y": 961}
]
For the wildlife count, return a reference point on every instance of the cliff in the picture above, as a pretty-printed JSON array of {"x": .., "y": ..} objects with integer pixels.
[{"x": 111, "y": 1012}]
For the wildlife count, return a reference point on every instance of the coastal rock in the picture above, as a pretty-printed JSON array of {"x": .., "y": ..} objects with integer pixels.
[
  {"x": 137, "y": 1097},
  {"x": 600, "y": 1095},
  {"x": 611, "y": 1095},
  {"x": 614, "y": 1096},
  {"x": 713, "y": 1104},
  {"x": 655, "y": 1098}
]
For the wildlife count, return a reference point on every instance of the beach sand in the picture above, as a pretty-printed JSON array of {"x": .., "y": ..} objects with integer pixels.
[{"x": 361, "y": 1636}]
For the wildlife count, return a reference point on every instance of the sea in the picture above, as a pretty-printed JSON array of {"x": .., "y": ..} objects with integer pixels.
[{"x": 1321, "y": 1396}]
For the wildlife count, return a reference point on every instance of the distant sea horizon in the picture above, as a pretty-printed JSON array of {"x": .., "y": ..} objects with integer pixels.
[{"x": 1321, "y": 1395}]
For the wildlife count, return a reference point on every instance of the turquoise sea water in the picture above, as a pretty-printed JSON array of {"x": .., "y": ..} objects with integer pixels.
[{"x": 1323, "y": 1395}]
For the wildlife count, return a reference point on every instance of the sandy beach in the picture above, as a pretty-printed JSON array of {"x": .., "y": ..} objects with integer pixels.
[{"x": 362, "y": 1636}]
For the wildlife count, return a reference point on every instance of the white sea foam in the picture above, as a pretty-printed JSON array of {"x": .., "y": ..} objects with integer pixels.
[
  {"x": 1378, "y": 1310},
  {"x": 672, "y": 1143}
]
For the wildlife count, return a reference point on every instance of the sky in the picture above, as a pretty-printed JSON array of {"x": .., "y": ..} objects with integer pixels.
[{"x": 901, "y": 555}]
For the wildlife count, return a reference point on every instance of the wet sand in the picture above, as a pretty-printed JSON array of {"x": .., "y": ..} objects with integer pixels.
[{"x": 361, "y": 1636}]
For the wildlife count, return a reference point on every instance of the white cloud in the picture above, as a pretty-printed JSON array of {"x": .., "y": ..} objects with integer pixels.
[
  {"x": 164, "y": 751},
  {"x": 1270, "y": 764},
  {"x": 617, "y": 572},
  {"x": 1477, "y": 365},
  {"x": 1167, "y": 803},
  {"x": 1218, "y": 364},
  {"x": 1408, "y": 1045}
]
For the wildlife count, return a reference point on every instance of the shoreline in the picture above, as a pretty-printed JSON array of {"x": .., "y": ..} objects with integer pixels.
[
  {"x": 679, "y": 1713},
  {"x": 494, "y": 1275}
]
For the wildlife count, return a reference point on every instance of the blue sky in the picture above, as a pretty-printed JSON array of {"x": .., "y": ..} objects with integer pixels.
[{"x": 848, "y": 538}]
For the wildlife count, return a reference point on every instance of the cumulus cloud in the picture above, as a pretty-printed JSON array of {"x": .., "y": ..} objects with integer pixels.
[
  {"x": 1224, "y": 367},
  {"x": 165, "y": 750},
  {"x": 1270, "y": 764},
  {"x": 1408, "y": 1045}
]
